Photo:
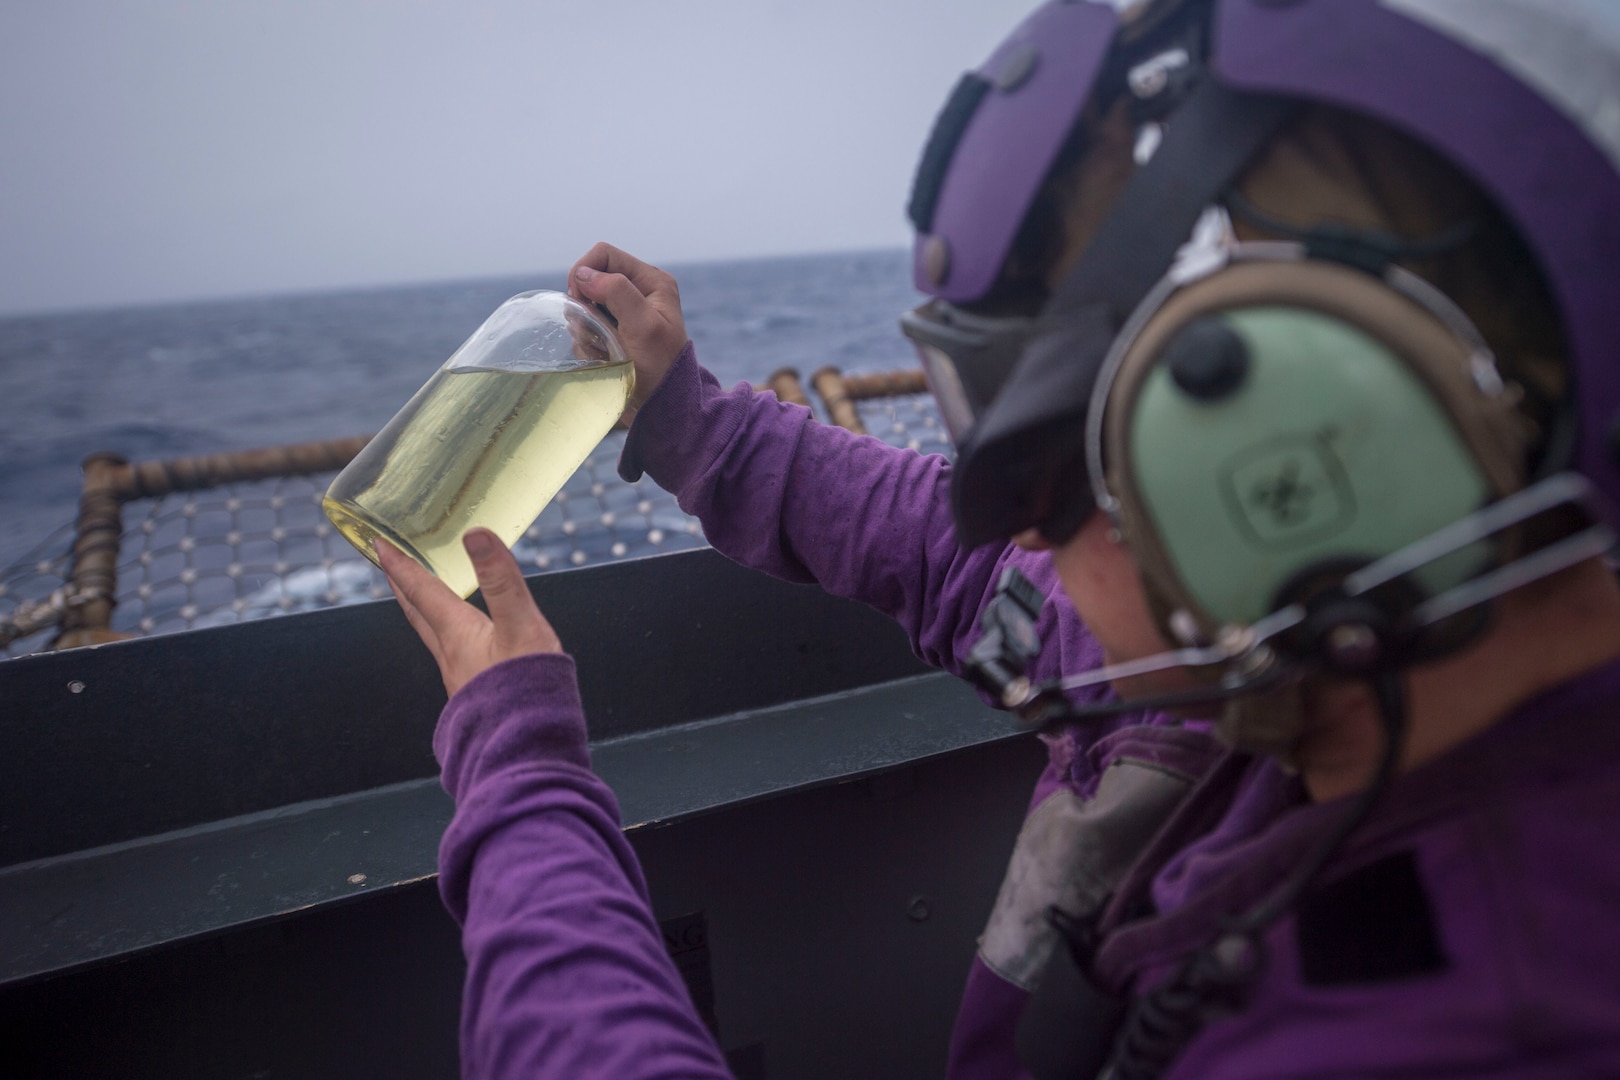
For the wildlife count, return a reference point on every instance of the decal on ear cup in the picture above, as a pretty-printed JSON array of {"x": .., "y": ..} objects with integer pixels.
[{"x": 1282, "y": 414}]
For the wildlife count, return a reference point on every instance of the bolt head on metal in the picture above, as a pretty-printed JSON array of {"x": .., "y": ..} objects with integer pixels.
[
  {"x": 919, "y": 909},
  {"x": 1257, "y": 660},
  {"x": 1184, "y": 627},
  {"x": 1234, "y": 639},
  {"x": 1018, "y": 692},
  {"x": 1237, "y": 954},
  {"x": 1353, "y": 645},
  {"x": 1017, "y": 69},
  {"x": 75, "y": 687},
  {"x": 1149, "y": 83}
]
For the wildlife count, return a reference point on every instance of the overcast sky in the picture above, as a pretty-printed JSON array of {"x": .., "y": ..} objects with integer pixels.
[{"x": 172, "y": 149}]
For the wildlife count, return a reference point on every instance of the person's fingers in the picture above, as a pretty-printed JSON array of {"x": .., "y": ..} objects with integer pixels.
[
  {"x": 607, "y": 259},
  {"x": 419, "y": 624},
  {"x": 499, "y": 578},
  {"x": 637, "y": 317},
  {"x": 593, "y": 278},
  {"x": 588, "y": 341},
  {"x": 441, "y": 609},
  {"x": 518, "y": 622},
  {"x": 647, "y": 304}
]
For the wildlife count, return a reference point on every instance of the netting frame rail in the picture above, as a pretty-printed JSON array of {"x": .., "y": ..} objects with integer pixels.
[
  {"x": 841, "y": 393},
  {"x": 90, "y": 593}
]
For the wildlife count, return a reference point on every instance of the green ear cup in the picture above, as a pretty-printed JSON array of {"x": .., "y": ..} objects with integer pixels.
[{"x": 1328, "y": 449}]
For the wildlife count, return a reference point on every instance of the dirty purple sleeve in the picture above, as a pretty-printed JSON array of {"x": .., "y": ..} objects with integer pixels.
[{"x": 567, "y": 975}]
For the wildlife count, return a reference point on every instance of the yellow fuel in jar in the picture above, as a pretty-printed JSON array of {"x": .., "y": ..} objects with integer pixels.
[{"x": 482, "y": 444}]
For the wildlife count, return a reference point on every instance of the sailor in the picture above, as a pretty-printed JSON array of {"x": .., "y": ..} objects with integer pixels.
[{"x": 1278, "y": 345}]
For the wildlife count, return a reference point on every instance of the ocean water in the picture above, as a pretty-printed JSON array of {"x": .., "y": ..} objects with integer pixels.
[{"x": 165, "y": 381}]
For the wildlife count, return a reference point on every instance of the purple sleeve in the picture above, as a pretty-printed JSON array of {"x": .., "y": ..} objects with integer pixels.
[
  {"x": 566, "y": 970},
  {"x": 812, "y": 502}
]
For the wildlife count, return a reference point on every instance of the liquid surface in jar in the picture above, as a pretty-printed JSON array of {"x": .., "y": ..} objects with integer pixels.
[{"x": 474, "y": 448}]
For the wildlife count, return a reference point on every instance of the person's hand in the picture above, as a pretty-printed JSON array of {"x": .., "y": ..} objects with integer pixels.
[
  {"x": 463, "y": 640},
  {"x": 646, "y": 302}
]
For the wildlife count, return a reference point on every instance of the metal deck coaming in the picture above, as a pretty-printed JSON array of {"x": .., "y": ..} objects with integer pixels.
[
  {"x": 181, "y": 837},
  {"x": 135, "y": 738},
  {"x": 65, "y": 912}
]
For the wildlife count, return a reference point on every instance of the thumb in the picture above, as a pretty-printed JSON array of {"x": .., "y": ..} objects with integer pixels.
[{"x": 511, "y": 608}]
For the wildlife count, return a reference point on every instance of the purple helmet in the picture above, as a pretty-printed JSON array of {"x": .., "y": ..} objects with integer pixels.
[{"x": 1521, "y": 96}]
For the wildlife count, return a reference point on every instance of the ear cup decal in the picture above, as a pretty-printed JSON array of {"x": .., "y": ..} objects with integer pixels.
[{"x": 1289, "y": 490}]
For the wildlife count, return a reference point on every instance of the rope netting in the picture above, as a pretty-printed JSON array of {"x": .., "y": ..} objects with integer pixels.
[
  {"x": 909, "y": 420},
  {"x": 33, "y": 594},
  {"x": 252, "y": 550}
]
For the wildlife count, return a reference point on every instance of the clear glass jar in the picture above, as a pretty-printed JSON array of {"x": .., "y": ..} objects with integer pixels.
[{"x": 490, "y": 438}]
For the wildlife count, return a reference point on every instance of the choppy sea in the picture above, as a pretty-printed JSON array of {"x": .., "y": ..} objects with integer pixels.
[{"x": 164, "y": 381}]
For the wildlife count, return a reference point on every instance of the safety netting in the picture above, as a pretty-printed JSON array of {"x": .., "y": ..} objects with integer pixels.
[{"x": 196, "y": 559}]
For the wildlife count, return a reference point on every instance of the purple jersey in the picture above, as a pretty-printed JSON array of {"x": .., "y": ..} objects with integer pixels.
[{"x": 1488, "y": 873}]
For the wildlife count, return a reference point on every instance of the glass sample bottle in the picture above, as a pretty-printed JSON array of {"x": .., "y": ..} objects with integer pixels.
[{"x": 490, "y": 438}]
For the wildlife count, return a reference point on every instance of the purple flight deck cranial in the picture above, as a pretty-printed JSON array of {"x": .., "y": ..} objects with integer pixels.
[
  {"x": 1039, "y": 79},
  {"x": 1558, "y": 187}
]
